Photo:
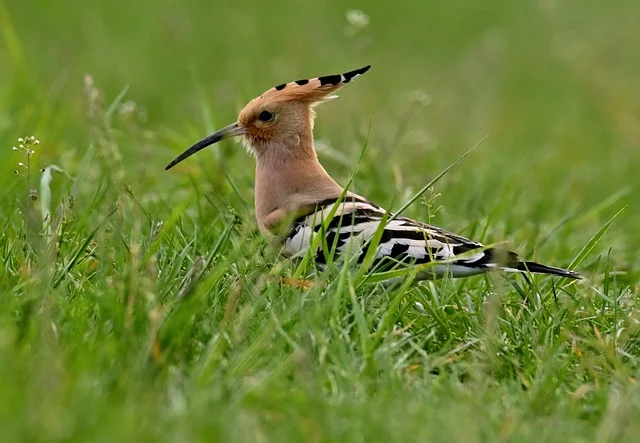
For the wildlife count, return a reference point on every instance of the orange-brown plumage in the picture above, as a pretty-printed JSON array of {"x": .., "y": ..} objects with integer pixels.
[{"x": 277, "y": 126}]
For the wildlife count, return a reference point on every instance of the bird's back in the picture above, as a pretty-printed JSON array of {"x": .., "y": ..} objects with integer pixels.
[
  {"x": 337, "y": 231},
  {"x": 349, "y": 226}
]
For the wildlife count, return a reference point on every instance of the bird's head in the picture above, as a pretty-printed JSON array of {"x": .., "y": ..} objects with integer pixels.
[{"x": 279, "y": 118}]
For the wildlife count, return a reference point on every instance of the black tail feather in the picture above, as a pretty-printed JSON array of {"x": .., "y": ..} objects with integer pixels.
[{"x": 529, "y": 266}]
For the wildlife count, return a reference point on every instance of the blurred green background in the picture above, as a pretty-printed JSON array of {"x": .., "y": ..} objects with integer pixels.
[{"x": 553, "y": 83}]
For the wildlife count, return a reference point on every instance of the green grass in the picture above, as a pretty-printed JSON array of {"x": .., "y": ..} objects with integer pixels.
[{"x": 153, "y": 310}]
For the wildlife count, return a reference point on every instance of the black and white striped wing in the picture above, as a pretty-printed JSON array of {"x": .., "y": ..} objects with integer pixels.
[{"x": 403, "y": 240}]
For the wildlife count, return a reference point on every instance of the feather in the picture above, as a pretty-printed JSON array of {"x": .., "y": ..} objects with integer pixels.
[
  {"x": 404, "y": 241},
  {"x": 313, "y": 91}
]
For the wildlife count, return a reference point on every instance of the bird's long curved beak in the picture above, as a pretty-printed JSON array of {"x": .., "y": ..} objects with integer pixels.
[{"x": 232, "y": 130}]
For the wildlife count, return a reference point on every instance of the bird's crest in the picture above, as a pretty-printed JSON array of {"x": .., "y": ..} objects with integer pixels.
[
  {"x": 281, "y": 116},
  {"x": 312, "y": 90}
]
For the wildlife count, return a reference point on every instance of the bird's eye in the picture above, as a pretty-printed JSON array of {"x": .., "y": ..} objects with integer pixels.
[{"x": 266, "y": 116}]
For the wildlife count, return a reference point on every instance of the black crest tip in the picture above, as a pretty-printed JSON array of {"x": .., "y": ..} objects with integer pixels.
[
  {"x": 330, "y": 79},
  {"x": 348, "y": 76}
]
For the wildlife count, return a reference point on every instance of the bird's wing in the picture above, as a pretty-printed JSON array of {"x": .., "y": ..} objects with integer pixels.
[{"x": 355, "y": 221}]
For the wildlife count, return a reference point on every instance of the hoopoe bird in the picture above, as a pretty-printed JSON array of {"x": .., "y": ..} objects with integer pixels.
[{"x": 297, "y": 200}]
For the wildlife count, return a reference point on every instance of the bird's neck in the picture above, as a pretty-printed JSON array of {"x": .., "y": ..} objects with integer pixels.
[{"x": 287, "y": 180}]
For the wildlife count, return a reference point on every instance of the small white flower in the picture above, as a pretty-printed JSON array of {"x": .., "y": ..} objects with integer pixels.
[
  {"x": 20, "y": 140},
  {"x": 357, "y": 19},
  {"x": 14, "y": 148}
]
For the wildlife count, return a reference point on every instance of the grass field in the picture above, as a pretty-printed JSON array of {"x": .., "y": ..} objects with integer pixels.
[{"x": 148, "y": 308}]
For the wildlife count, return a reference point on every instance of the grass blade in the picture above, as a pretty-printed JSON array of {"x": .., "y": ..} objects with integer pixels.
[
  {"x": 435, "y": 180},
  {"x": 82, "y": 247},
  {"x": 586, "y": 249}
]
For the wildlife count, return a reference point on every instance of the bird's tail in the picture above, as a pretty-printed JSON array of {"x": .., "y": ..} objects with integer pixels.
[{"x": 530, "y": 266}]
